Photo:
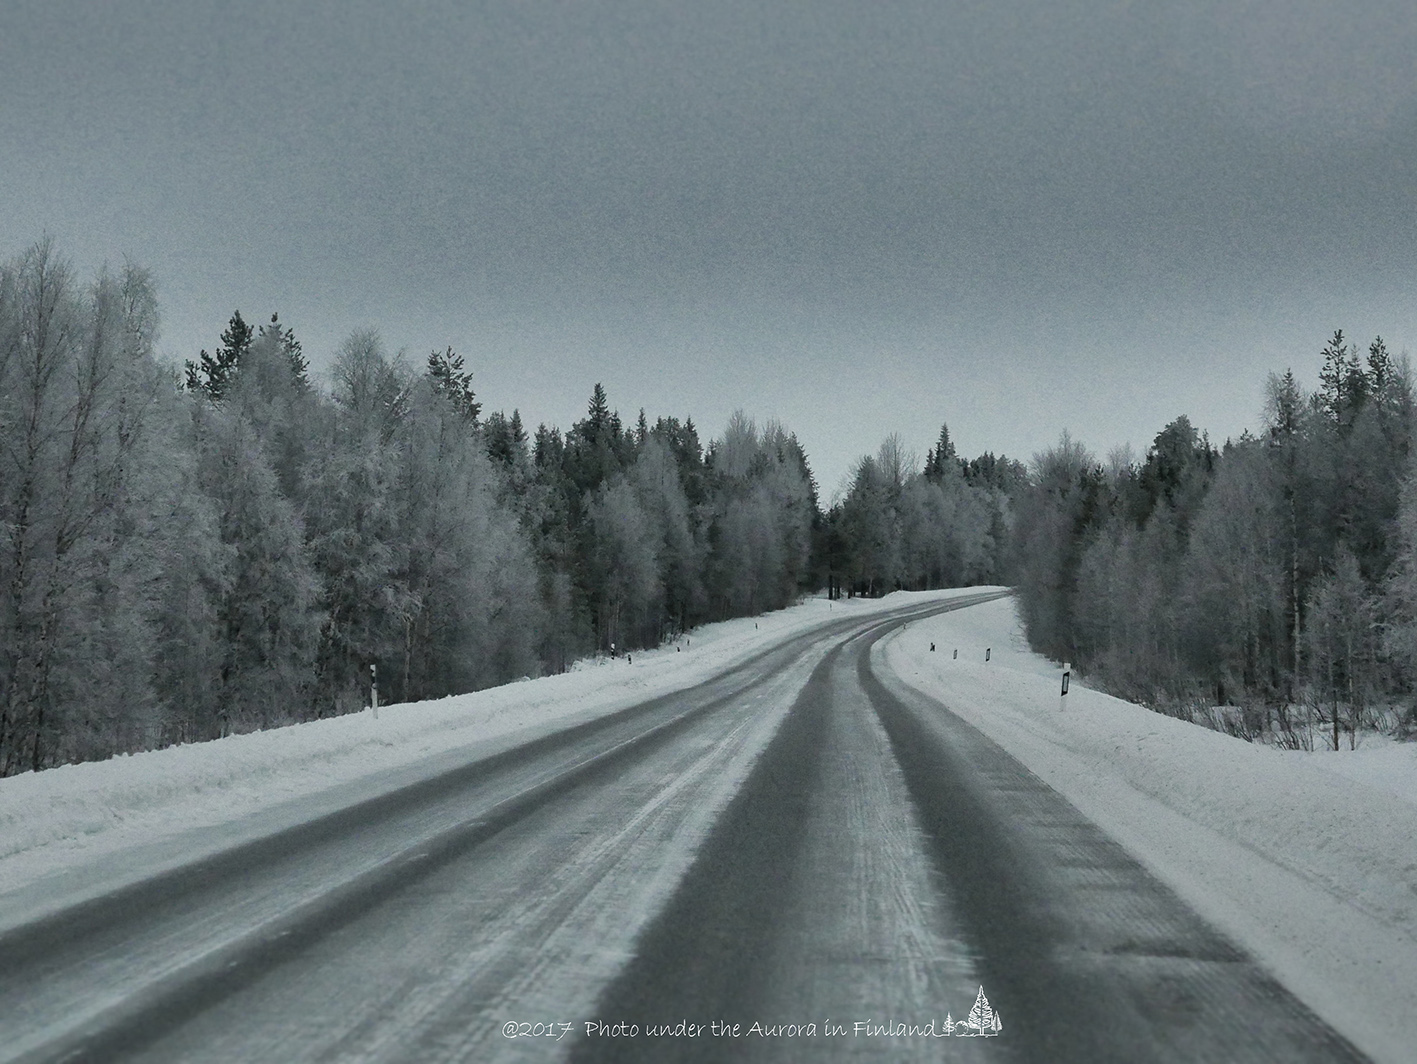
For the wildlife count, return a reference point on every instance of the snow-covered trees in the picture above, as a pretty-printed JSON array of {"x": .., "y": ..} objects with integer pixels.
[
  {"x": 760, "y": 532},
  {"x": 901, "y": 527},
  {"x": 1272, "y": 574},
  {"x": 1400, "y": 590},
  {"x": 266, "y": 590},
  {"x": 180, "y": 562},
  {"x": 83, "y": 487},
  {"x": 1232, "y": 579},
  {"x": 678, "y": 542},
  {"x": 469, "y": 613},
  {"x": 1341, "y": 644},
  {"x": 624, "y": 566}
]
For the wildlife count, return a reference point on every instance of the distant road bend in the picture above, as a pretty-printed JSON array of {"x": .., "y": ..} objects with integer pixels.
[{"x": 801, "y": 843}]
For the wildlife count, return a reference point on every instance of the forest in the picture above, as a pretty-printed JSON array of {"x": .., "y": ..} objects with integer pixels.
[
  {"x": 226, "y": 546},
  {"x": 188, "y": 552},
  {"x": 1267, "y": 587}
]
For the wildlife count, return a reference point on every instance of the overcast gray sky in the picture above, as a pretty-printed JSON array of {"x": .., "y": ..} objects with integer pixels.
[{"x": 857, "y": 218}]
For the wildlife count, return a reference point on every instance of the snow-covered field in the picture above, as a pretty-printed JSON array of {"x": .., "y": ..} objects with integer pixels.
[
  {"x": 1308, "y": 860},
  {"x": 83, "y": 828}
]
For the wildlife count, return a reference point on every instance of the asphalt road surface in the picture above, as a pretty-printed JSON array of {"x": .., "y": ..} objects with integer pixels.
[{"x": 799, "y": 860}]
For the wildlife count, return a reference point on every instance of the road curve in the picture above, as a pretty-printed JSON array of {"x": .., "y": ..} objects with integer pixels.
[
  {"x": 801, "y": 847},
  {"x": 884, "y": 860},
  {"x": 527, "y": 854}
]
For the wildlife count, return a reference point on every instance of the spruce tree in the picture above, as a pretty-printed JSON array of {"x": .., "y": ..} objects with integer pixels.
[
  {"x": 1382, "y": 375},
  {"x": 1342, "y": 386},
  {"x": 939, "y": 459},
  {"x": 294, "y": 356},
  {"x": 597, "y": 414},
  {"x": 214, "y": 374},
  {"x": 453, "y": 383}
]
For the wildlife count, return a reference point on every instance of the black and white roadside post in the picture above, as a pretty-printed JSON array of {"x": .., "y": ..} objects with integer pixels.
[
  {"x": 1067, "y": 675},
  {"x": 987, "y": 652},
  {"x": 374, "y": 689},
  {"x": 956, "y": 657}
]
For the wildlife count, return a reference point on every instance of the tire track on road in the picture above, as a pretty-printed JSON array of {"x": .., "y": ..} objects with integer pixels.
[
  {"x": 1090, "y": 956},
  {"x": 812, "y": 899}
]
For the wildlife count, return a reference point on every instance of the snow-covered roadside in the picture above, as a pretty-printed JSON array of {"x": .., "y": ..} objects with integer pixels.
[
  {"x": 1309, "y": 865},
  {"x": 78, "y": 828},
  {"x": 1379, "y": 762}
]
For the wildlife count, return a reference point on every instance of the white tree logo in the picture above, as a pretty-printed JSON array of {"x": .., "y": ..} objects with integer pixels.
[{"x": 983, "y": 1021}]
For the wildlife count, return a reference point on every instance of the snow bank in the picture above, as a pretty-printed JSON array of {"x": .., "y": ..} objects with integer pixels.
[
  {"x": 204, "y": 796},
  {"x": 1309, "y": 861},
  {"x": 1379, "y": 762}
]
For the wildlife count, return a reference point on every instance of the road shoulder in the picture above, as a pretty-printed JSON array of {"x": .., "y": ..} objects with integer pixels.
[{"x": 1312, "y": 875}]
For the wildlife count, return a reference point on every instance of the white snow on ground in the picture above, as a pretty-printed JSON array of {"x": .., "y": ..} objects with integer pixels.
[
  {"x": 1379, "y": 762},
  {"x": 78, "y": 829},
  {"x": 1309, "y": 861}
]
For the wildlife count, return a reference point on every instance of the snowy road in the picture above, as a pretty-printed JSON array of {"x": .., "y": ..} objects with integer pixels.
[
  {"x": 799, "y": 841},
  {"x": 820, "y": 897}
]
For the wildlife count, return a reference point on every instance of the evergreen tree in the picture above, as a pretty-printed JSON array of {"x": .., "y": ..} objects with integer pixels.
[
  {"x": 292, "y": 353},
  {"x": 453, "y": 383},
  {"x": 506, "y": 440},
  {"x": 597, "y": 415},
  {"x": 981, "y": 1016},
  {"x": 214, "y": 374},
  {"x": 941, "y": 459},
  {"x": 1381, "y": 371},
  {"x": 1343, "y": 388}
]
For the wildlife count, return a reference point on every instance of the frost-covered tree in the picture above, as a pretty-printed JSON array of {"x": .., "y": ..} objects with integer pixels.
[
  {"x": 470, "y": 611},
  {"x": 624, "y": 567},
  {"x": 96, "y": 484},
  {"x": 267, "y": 600},
  {"x": 679, "y": 550},
  {"x": 1341, "y": 644},
  {"x": 760, "y": 531},
  {"x": 1233, "y": 581},
  {"x": 352, "y": 522}
]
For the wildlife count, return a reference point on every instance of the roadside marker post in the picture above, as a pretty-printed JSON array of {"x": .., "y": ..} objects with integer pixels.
[
  {"x": 987, "y": 652},
  {"x": 374, "y": 689},
  {"x": 1067, "y": 675}
]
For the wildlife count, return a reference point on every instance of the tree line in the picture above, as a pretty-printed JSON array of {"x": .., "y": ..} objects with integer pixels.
[
  {"x": 902, "y": 526},
  {"x": 228, "y": 546},
  {"x": 186, "y": 553},
  {"x": 1276, "y": 575}
]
